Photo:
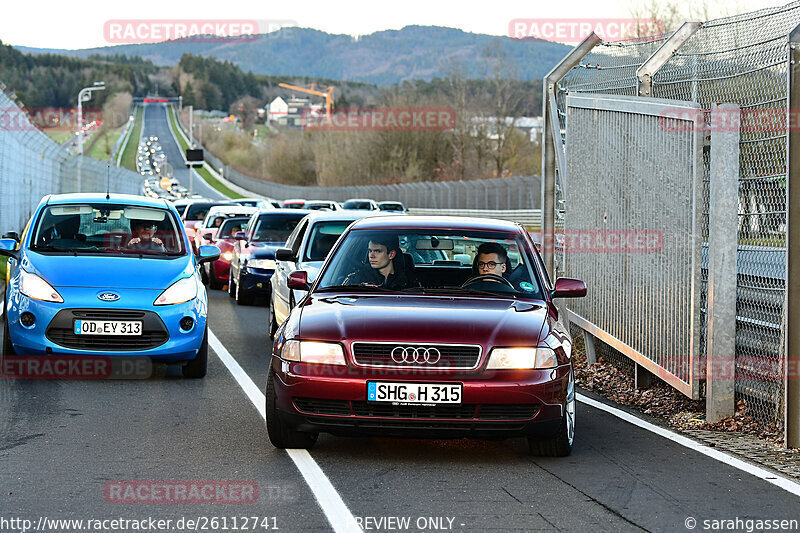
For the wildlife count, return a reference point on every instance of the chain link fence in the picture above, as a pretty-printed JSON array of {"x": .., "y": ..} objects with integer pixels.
[
  {"x": 742, "y": 60},
  {"x": 32, "y": 166},
  {"x": 498, "y": 193}
]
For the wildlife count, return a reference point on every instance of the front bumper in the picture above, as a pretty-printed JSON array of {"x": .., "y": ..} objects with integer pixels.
[
  {"x": 47, "y": 336},
  {"x": 255, "y": 280},
  {"x": 495, "y": 404}
]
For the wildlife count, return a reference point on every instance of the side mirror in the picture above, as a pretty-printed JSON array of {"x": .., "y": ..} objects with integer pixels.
[
  {"x": 206, "y": 253},
  {"x": 8, "y": 248},
  {"x": 240, "y": 236},
  {"x": 568, "y": 288},
  {"x": 298, "y": 280},
  {"x": 207, "y": 237},
  {"x": 284, "y": 254},
  {"x": 12, "y": 235}
]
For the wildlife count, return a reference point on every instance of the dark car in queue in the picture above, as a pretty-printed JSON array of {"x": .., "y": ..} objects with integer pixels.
[
  {"x": 443, "y": 351},
  {"x": 253, "y": 255},
  {"x": 218, "y": 272},
  {"x": 305, "y": 249}
]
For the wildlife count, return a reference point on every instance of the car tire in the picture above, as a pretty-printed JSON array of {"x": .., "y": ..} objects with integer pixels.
[
  {"x": 560, "y": 444},
  {"x": 273, "y": 322},
  {"x": 212, "y": 278},
  {"x": 197, "y": 367},
  {"x": 231, "y": 285},
  {"x": 203, "y": 275},
  {"x": 8, "y": 348},
  {"x": 243, "y": 297},
  {"x": 281, "y": 435}
]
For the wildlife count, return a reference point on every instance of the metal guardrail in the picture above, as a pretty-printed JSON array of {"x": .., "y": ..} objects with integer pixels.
[
  {"x": 498, "y": 193},
  {"x": 530, "y": 218}
]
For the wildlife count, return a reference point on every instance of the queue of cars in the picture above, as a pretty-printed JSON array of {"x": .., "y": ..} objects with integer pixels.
[{"x": 378, "y": 325}]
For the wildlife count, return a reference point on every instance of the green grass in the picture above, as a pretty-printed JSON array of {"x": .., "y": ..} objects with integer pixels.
[
  {"x": 202, "y": 172},
  {"x": 105, "y": 144},
  {"x": 60, "y": 136},
  {"x": 129, "y": 155}
]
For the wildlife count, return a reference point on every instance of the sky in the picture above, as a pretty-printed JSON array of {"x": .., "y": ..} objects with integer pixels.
[{"x": 80, "y": 24}]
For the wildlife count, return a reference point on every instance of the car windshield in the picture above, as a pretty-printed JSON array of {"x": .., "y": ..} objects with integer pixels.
[
  {"x": 199, "y": 210},
  {"x": 107, "y": 229},
  {"x": 440, "y": 261},
  {"x": 357, "y": 204},
  {"x": 323, "y": 236},
  {"x": 275, "y": 228},
  {"x": 391, "y": 207},
  {"x": 231, "y": 227}
]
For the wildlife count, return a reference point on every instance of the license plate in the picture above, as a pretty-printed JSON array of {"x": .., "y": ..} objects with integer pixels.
[
  {"x": 432, "y": 393},
  {"x": 107, "y": 327}
]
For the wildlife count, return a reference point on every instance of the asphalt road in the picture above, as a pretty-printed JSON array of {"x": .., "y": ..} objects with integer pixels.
[
  {"x": 62, "y": 441},
  {"x": 156, "y": 123}
]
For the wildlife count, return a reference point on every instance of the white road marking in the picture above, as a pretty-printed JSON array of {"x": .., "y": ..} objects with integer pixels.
[
  {"x": 339, "y": 516},
  {"x": 730, "y": 460}
]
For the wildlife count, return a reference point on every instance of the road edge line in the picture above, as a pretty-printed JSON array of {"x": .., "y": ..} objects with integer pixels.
[
  {"x": 331, "y": 503},
  {"x": 769, "y": 476}
]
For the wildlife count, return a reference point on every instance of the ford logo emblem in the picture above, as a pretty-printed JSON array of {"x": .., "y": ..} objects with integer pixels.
[{"x": 108, "y": 296}]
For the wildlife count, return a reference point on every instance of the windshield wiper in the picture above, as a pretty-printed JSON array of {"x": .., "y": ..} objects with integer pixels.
[
  {"x": 354, "y": 288},
  {"x": 456, "y": 290}
]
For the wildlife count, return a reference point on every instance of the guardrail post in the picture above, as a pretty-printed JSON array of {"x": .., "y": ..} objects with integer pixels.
[
  {"x": 792, "y": 303},
  {"x": 552, "y": 144},
  {"x": 588, "y": 342},
  {"x": 723, "y": 208}
]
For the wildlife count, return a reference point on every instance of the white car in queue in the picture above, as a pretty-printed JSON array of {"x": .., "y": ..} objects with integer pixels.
[{"x": 306, "y": 249}]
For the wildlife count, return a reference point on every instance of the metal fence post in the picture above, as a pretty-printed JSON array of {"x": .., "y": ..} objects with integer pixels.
[
  {"x": 792, "y": 303},
  {"x": 648, "y": 69},
  {"x": 722, "y": 249},
  {"x": 552, "y": 145}
]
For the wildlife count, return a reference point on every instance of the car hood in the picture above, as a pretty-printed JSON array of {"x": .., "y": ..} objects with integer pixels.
[
  {"x": 262, "y": 250},
  {"x": 108, "y": 272},
  {"x": 464, "y": 320}
]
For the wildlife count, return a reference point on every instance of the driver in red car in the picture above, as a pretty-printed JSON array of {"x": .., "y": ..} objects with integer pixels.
[
  {"x": 386, "y": 263},
  {"x": 491, "y": 259}
]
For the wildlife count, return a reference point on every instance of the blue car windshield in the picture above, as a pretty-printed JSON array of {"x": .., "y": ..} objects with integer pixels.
[
  {"x": 107, "y": 229},
  {"x": 275, "y": 227}
]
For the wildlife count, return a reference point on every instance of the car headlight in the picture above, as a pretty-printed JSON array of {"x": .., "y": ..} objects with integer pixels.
[
  {"x": 521, "y": 358},
  {"x": 325, "y": 353},
  {"x": 183, "y": 290},
  {"x": 263, "y": 264},
  {"x": 227, "y": 256},
  {"x": 35, "y": 287}
]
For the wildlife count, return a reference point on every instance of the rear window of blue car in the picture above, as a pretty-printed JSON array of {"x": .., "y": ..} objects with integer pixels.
[{"x": 108, "y": 229}]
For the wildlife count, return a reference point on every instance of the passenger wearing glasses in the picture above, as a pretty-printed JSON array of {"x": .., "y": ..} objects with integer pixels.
[{"x": 143, "y": 240}]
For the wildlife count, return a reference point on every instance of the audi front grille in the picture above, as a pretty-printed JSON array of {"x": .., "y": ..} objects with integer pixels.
[{"x": 417, "y": 355}]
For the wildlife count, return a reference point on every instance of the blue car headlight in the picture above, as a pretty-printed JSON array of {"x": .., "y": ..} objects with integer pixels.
[
  {"x": 181, "y": 291},
  {"x": 35, "y": 287}
]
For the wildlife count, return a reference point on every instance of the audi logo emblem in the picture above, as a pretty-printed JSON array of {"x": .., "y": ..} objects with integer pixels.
[{"x": 416, "y": 354}]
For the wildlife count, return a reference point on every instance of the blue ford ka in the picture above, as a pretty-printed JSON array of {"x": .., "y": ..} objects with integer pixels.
[{"x": 111, "y": 275}]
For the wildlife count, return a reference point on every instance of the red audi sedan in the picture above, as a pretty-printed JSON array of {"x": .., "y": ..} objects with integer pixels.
[{"x": 437, "y": 327}]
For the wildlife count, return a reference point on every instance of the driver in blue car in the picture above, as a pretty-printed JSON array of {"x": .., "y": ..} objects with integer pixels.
[
  {"x": 143, "y": 240},
  {"x": 491, "y": 259},
  {"x": 387, "y": 266}
]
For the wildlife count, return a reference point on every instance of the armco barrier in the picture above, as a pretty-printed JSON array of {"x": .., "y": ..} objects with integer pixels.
[{"x": 497, "y": 193}]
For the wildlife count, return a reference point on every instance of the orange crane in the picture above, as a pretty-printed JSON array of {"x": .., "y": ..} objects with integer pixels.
[{"x": 328, "y": 94}]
